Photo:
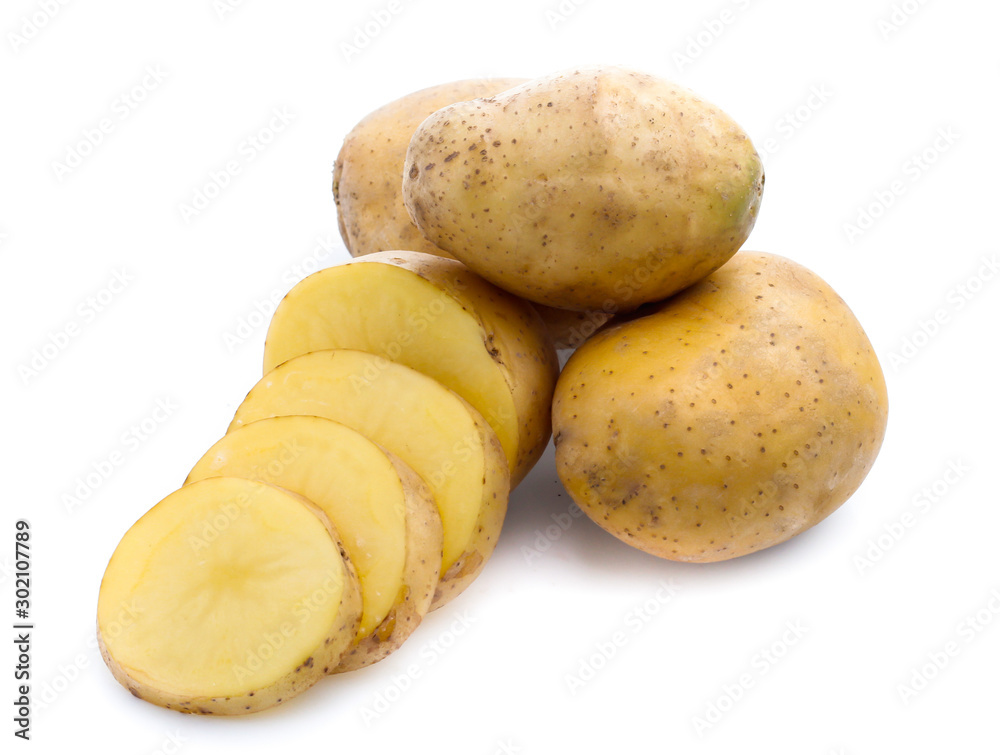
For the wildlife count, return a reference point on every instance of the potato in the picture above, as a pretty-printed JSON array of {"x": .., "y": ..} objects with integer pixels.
[
  {"x": 436, "y": 316},
  {"x": 382, "y": 510},
  {"x": 229, "y": 596},
  {"x": 368, "y": 187},
  {"x": 568, "y": 328},
  {"x": 725, "y": 420},
  {"x": 433, "y": 430},
  {"x": 595, "y": 188},
  {"x": 368, "y": 174}
]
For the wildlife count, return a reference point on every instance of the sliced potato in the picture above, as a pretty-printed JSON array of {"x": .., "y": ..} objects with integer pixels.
[
  {"x": 382, "y": 510},
  {"x": 434, "y": 315},
  {"x": 433, "y": 430},
  {"x": 229, "y": 596}
]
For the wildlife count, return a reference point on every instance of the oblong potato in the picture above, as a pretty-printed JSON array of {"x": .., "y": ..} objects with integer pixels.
[
  {"x": 229, "y": 596},
  {"x": 441, "y": 319},
  {"x": 725, "y": 420},
  {"x": 593, "y": 188},
  {"x": 368, "y": 187},
  {"x": 433, "y": 430},
  {"x": 368, "y": 173},
  {"x": 382, "y": 510}
]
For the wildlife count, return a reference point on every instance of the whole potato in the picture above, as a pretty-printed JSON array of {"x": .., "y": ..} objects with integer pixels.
[
  {"x": 368, "y": 173},
  {"x": 595, "y": 188},
  {"x": 725, "y": 420},
  {"x": 368, "y": 188}
]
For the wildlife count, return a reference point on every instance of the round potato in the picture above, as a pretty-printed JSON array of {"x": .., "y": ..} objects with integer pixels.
[
  {"x": 725, "y": 420},
  {"x": 368, "y": 173},
  {"x": 595, "y": 188}
]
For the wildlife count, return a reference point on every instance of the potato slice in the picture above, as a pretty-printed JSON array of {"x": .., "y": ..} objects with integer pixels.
[
  {"x": 229, "y": 596},
  {"x": 440, "y": 436},
  {"x": 382, "y": 510},
  {"x": 436, "y": 316}
]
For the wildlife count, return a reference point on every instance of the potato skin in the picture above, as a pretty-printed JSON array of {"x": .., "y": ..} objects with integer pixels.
[
  {"x": 517, "y": 339},
  {"x": 368, "y": 173},
  {"x": 569, "y": 328},
  {"x": 368, "y": 187},
  {"x": 595, "y": 188},
  {"x": 725, "y": 420},
  {"x": 422, "y": 570}
]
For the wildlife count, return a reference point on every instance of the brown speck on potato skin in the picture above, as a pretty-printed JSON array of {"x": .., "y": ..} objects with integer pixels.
[{"x": 784, "y": 499}]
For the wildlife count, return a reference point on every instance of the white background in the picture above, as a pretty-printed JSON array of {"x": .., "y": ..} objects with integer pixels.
[{"x": 846, "y": 101}]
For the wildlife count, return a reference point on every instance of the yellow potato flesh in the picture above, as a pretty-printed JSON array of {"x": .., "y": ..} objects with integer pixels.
[
  {"x": 224, "y": 587},
  {"x": 347, "y": 476},
  {"x": 394, "y": 313},
  {"x": 407, "y": 413}
]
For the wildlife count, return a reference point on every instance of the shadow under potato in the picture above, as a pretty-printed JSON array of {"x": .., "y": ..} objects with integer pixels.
[{"x": 543, "y": 523}]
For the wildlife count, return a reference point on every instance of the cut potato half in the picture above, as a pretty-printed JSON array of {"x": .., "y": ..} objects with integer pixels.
[
  {"x": 382, "y": 510},
  {"x": 436, "y": 316},
  {"x": 229, "y": 596},
  {"x": 439, "y": 435}
]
